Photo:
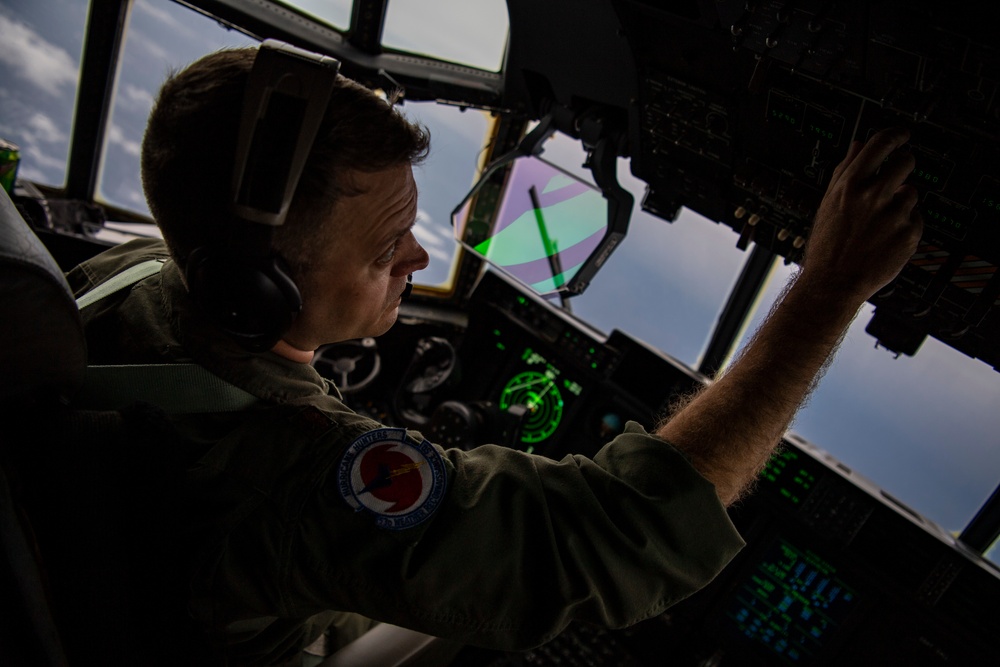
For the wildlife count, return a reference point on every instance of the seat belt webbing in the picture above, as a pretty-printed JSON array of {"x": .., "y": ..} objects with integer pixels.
[
  {"x": 174, "y": 388},
  {"x": 120, "y": 281}
]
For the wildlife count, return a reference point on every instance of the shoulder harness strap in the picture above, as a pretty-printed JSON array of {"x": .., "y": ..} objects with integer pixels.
[{"x": 174, "y": 388}]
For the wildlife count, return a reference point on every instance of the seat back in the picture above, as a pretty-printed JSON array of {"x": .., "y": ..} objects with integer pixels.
[
  {"x": 42, "y": 349},
  {"x": 65, "y": 544},
  {"x": 42, "y": 361}
]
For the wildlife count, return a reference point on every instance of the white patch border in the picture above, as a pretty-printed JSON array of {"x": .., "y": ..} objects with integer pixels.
[{"x": 400, "y": 438}]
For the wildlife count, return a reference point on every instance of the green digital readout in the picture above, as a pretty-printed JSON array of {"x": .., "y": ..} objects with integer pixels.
[
  {"x": 987, "y": 196},
  {"x": 822, "y": 125},
  {"x": 946, "y": 216},
  {"x": 989, "y": 202},
  {"x": 784, "y": 110},
  {"x": 779, "y": 114},
  {"x": 789, "y": 472},
  {"x": 820, "y": 131},
  {"x": 931, "y": 171}
]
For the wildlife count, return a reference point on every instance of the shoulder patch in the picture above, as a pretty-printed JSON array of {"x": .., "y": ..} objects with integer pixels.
[{"x": 389, "y": 474}]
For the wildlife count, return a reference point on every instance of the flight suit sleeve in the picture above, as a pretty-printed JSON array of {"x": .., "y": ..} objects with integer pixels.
[
  {"x": 87, "y": 275},
  {"x": 109, "y": 339},
  {"x": 521, "y": 545}
]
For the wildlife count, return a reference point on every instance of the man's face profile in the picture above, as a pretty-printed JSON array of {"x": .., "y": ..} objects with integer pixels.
[{"x": 356, "y": 286}]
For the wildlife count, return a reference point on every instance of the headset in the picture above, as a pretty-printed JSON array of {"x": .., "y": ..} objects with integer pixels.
[{"x": 245, "y": 286}]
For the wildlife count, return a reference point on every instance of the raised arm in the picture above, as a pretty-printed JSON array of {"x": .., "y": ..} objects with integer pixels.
[{"x": 865, "y": 230}]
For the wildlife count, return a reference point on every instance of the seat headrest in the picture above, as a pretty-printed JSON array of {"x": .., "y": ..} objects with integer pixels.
[{"x": 43, "y": 352}]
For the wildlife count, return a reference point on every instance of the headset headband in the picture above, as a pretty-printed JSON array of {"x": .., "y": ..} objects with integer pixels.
[{"x": 284, "y": 103}]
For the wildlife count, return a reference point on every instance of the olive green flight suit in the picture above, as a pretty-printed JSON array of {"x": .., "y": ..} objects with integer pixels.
[{"x": 519, "y": 546}]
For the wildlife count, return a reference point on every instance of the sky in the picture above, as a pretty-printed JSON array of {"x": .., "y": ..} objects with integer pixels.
[{"x": 923, "y": 428}]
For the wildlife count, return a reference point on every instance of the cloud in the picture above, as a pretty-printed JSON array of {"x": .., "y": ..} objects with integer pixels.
[
  {"x": 36, "y": 157},
  {"x": 155, "y": 51},
  {"x": 30, "y": 57},
  {"x": 117, "y": 137},
  {"x": 128, "y": 195},
  {"x": 163, "y": 18},
  {"x": 427, "y": 230},
  {"x": 468, "y": 32},
  {"x": 692, "y": 254},
  {"x": 135, "y": 197},
  {"x": 42, "y": 136},
  {"x": 41, "y": 127},
  {"x": 438, "y": 255},
  {"x": 135, "y": 98},
  {"x": 456, "y": 126},
  {"x": 29, "y": 173},
  {"x": 435, "y": 239}
]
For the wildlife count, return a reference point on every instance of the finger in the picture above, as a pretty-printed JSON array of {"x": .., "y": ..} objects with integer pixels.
[
  {"x": 903, "y": 209},
  {"x": 879, "y": 147},
  {"x": 904, "y": 199},
  {"x": 897, "y": 168},
  {"x": 917, "y": 225},
  {"x": 852, "y": 153},
  {"x": 916, "y": 217}
]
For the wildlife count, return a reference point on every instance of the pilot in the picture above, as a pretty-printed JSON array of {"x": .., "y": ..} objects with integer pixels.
[{"x": 298, "y": 517}]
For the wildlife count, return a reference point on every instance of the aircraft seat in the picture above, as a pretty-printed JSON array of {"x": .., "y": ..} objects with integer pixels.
[
  {"x": 42, "y": 349},
  {"x": 42, "y": 361}
]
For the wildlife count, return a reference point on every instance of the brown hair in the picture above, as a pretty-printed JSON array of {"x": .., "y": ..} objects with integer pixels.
[{"x": 190, "y": 143}]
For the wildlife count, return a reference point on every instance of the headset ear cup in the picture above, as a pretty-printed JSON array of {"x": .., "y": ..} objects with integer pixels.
[{"x": 254, "y": 301}]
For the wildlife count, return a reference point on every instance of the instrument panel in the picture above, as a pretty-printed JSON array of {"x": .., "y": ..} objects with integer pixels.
[
  {"x": 517, "y": 372},
  {"x": 740, "y": 110},
  {"x": 748, "y": 106}
]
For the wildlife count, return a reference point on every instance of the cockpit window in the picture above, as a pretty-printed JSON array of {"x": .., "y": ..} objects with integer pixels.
[
  {"x": 665, "y": 282},
  {"x": 469, "y": 33},
  {"x": 913, "y": 425},
  {"x": 336, "y": 13},
  {"x": 40, "y": 47},
  {"x": 162, "y": 36},
  {"x": 40, "y": 52},
  {"x": 443, "y": 179}
]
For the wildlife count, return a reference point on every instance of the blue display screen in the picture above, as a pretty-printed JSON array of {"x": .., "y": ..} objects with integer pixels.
[{"x": 791, "y": 603}]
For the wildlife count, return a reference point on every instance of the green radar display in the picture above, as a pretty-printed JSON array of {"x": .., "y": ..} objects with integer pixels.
[{"x": 539, "y": 393}]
